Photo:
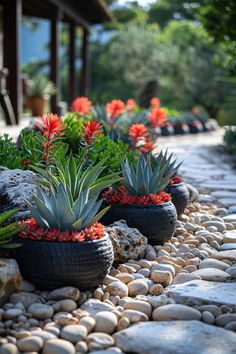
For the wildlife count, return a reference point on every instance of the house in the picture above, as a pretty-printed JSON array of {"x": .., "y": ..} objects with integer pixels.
[{"x": 83, "y": 13}]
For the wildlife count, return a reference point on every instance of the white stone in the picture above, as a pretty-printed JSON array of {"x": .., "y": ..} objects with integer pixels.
[
  {"x": 212, "y": 274},
  {"x": 41, "y": 311},
  {"x": 58, "y": 346},
  {"x": 106, "y": 322},
  {"x": 175, "y": 312},
  {"x": 137, "y": 287},
  {"x": 74, "y": 333}
]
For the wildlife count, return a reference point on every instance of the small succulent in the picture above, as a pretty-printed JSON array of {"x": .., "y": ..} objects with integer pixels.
[
  {"x": 7, "y": 231},
  {"x": 149, "y": 176}
]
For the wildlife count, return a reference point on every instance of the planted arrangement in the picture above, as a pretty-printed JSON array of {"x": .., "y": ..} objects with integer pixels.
[
  {"x": 230, "y": 139},
  {"x": 141, "y": 199},
  {"x": 8, "y": 229}
]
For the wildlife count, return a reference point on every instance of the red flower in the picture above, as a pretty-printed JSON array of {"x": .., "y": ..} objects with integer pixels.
[
  {"x": 52, "y": 130},
  {"x": 158, "y": 117},
  {"x": 148, "y": 146},
  {"x": 81, "y": 105},
  {"x": 176, "y": 180},
  {"x": 91, "y": 129},
  {"x": 155, "y": 102},
  {"x": 115, "y": 108},
  {"x": 121, "y": 196},
  {"x": 34, "y": 232},
  {"x": 131, "y": 104},
  {"x": 137, "y": 132}
]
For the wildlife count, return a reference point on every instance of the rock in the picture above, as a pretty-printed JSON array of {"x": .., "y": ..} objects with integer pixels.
[
  {"x": 102, "y": 339},
  {"x": 200, "y": 292},
  {"x": 222, "y": 320},
  {"x": 230, "y": 218},
  {"x": 41, "y": 311},
  {"x": 193, "y": 192},
  {"x": 222, "y": 255},
  {"x": 230, "y": 237},
  {"x": 227, "y": 247},
  {"x": 139, "y": 305},
  {"x": 8, "y": 348},
  {"x": 117, "y": 288},
  {"x": 81, "y": 347},
  {"x": 125, "y": 277},
  {"x": 26, "y": 299},
  {"x": 179, "y": 337},
  {"x": 135, "y": 316},
  {"x": 157, "y": 301},
  {"x": 68, "y": 292},
  {"x": 182, "y": 278},
  {"x": 156, "y": 289},
  {"x": 208, "y": 317},
  {"x": 10, "y": 279},
  {"x": 106, "y": 322},
  {"x": 108, "y": 351},
  {"x": 137, "y": 287},
  {"x": 219, "y": 225},
  {"x": 27, "y": 286},
  {"x": 213, "y": 263},
  {"x": 58, "y": 346},
  {"x": 231, "y": 326},
  {"x": 175, "y": 312},
  {"x": 65, "y": 305},
  {"x": 128, "y": 243},
  {"x": 88, "y": 322},
  {"x": 74, "y": 333},
  {"x": 232, "y": 271},
  {"x": 44, "y": 335},
  {"x": 212, "y": 274},
  {"x": 94, "y": 306},
  {"x": 162, "y": 277},
  {"x": 12, "y": 313},
  {"x": 30, "y": 344}
]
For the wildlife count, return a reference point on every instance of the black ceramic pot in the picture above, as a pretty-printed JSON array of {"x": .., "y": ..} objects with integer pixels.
[
  {"x": 156, "y": 222},
  {"x": 167, "y": 130},
  {"x": 50, "y": 265},
  {"x": 180, "y": 196},
  {"x": 181, "y": 129},
  {"x": 195, "y": 128}
]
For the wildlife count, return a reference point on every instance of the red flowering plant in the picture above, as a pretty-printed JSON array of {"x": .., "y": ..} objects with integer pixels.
[
  {"x": 131, "y": 105},
  {"x": 142, "y": 183},
  {"x": 82, "y": 106},
  {"x": 140, "y": 138},
  {"x": 176, "y": 180},
  {"x": 52, "y": 130},
  {"x": 155, "y": 102},
  {"x": 158, "y": 117},
  {"x": 114, "y": 109}
]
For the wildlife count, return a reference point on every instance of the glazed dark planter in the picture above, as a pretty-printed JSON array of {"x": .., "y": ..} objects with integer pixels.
[
  {"x": 181, "y": 129},
  {"x": 167, "y": 131},
  {"x": 180, "y": 196},
  {"x": 156, "y": 222},
  {"x": 50, "y": 265},
  {"x": 195, "y": 128}
]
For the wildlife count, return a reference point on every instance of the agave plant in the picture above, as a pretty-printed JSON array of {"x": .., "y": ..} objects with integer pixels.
[
  {"x": 76, "y": 178},
  {"x": 6, "y": 232},
  {"x": 149, "y": 176},
  {"x": 171, "y": 164}
]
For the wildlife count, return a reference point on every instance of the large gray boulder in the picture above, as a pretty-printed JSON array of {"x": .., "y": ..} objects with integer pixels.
[{"x": 16, "y": 186}]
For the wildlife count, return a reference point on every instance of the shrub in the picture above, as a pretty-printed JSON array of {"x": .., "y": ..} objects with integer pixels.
[
  {"x": 230, "y": 139},
  {"x": 10, "y": 157}
]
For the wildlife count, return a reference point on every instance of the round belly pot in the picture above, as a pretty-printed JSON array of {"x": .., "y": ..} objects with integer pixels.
[
  {"x": 195, "y": 128},
  {"x": 181, "y": 129},
  {"x": 167, "y": 130},
  {"x": 180, "y": 196},
  {"x": 156, "y": 222},
  {"x": 50, "y": 265}
]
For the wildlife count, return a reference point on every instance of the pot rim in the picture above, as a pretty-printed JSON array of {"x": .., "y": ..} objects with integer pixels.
[
  {"x": 138, "y": 205},
  {"x": 88, "y": 242},
  {"x": 175, "y": 184}
]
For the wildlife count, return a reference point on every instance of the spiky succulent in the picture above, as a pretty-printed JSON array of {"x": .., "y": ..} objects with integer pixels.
[
  {"x": 71, "y": 203},
  {"x": 76, "y": 178},
  {"x": 167, "y": 160},
  {"x": 9, "y": 230},
  {"x": 149, "y": 176}
]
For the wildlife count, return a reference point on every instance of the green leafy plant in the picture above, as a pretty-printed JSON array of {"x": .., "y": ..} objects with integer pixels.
[
  {"x": 7, "y": 231},
  {"x": 230, "y": 139},
  {"x": 41, "y": 86},
  {"x": 72, "y": 201},
  {"x": 166, "y": 161},
  {"x": 147, "y": 176},
  {"x": 10, "y": 156}
]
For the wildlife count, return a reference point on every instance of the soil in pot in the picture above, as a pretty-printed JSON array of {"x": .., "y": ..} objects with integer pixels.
[
  {"x": 156, "y": 222},
  {"x": 180, "y": 196},
  {"x": 50, "y": 265}
]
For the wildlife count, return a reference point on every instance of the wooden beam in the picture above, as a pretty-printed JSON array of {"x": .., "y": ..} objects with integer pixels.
[
  {"x": 72, "y": 57},
  {"x": 85, "y": 64},
  {"x": 54, "y": 58},
  {"x": 12, "y": 13}
]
